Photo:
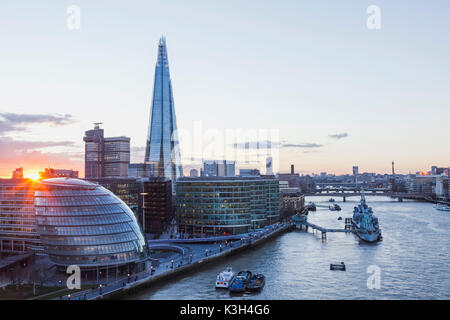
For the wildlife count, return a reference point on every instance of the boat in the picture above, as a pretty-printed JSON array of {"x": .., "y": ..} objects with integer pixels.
[
  {"x": 239, "y": 283},
  {"x": 365, "y": 224},
  {"x": 340, "y": 266},
  {"x": 311, "y": 206},
  {"x": 340, "y": 218},
  {"x": 256, "y": 282},
  {"x": 334, "y": 207},
  {"x": 225, "y": 278},
  {"x": 442, "y": 207},
  {"x": 331, "y": 200}
]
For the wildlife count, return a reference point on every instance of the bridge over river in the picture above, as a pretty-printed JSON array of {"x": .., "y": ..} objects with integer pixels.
[{"x": 399, "y": 195}]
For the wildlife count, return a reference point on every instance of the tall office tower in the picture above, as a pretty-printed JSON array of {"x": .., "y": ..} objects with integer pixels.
[
  {"x": 93, "y": 152},
  {"x": 116, "y": 157},
  {"x": 219, "y": 168},
  {"x": 105, "y": 157},
  {"x": 162, "y": 150},
  {"x": 292, "y": 169},
  {"x": 355, "y": 170},
  {"x": 269, "y": 166}
]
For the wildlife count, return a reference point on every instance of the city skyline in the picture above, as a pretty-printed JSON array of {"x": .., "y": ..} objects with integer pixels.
[{"x": 384, "y": 101}]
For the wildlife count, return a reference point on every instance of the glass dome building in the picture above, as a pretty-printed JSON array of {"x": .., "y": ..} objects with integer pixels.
[{"x": 81, "y": 223}]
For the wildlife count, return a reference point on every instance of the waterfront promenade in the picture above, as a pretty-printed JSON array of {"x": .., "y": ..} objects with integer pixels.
[{"x": 191, "y": 254}]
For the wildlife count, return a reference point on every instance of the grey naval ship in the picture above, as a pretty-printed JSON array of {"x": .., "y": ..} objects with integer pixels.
[{"x": 365, "y": 224}]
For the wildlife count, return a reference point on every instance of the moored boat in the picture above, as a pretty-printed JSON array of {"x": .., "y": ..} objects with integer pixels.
[
  {"x": 311, "y": 206},
  {"x": 334, "y": 207},
  {"x": 256, "y": 282},
  {"x": 225, "y": 278},
  {"x": 365, "y": 223},
  {"x": 239, "y": 283},
  {"x": 442, "y": 207}
]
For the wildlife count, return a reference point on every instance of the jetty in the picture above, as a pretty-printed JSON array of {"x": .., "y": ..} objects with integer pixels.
[{"x": 301, "y": 221}]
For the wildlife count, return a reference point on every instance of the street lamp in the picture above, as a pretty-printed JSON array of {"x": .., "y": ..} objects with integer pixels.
[{"x": 143, "y": 194}]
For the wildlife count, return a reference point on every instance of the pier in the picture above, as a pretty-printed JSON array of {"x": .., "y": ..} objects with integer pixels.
[{"x": 302, "y": 221}]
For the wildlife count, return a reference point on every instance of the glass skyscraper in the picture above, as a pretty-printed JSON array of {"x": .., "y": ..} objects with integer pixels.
[{"x": 162, "y": 151}]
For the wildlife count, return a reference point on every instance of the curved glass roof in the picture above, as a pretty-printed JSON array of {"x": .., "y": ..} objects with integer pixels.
[{"x": 68, "y": 182}]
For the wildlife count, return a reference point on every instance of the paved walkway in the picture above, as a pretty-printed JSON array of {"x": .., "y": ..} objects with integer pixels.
[{"x": 194, "y": 253}]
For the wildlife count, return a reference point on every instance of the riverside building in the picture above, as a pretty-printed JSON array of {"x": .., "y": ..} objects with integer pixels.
[
  {"x": 18, "y": 232},
  {"x": 208, "y": 206},
  {"x": 81, "y": 223}
]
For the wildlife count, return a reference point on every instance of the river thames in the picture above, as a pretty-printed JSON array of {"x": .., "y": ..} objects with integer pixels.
[{"x": 412, "y": 259}]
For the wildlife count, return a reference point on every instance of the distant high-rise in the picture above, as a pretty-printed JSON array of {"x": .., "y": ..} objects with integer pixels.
[
  {"x": 162, "y": 150},
  {"x": 355, "y": 170},
  {"x": 193, "y": 173},
  {"x": 219, "y": 168},
  {"x": 269, "y": 166},
  {"x": 93, "y": 152},
  {"x": 105, "y": 157}
]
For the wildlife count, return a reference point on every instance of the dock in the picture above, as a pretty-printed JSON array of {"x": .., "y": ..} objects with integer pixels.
[{"x": 302, "y": 221}]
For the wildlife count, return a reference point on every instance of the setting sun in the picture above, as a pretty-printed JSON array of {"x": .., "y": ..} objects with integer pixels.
[{"x": 33, "y": 176}]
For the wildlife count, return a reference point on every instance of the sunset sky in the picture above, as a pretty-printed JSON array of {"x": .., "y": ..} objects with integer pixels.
[{"x": 337, "y": 93}]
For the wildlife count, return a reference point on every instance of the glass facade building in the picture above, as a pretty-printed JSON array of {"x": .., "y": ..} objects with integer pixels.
[
  {"x": 18, "y": 232},
  {"x": 84, "y": 224},
  {"x": 226, "y": 205},
  {"x": 162, "y": 149}
]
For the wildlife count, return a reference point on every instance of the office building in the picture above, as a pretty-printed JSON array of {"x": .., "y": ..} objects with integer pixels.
[
  {"x": 355, "y": 170},
  {"x": 226, "y": 205},
  {"x": 193, "y": 173},
  {"x": 18, "y": 232},
  {"x": 157, "y": 210},
  {"x": 249, "y": 172},
  {"x": 58, "y": 173},
  {"x": 18, "y": 174},
  {"x": 105, "y": 157},
  {"x": 116, "y": 157},
  {"x": 162, "y": 149},
  {"x": 219, "y": 168},
  {"x": 292, "y": 202},
  {"x": 81, "y": 223},
  {"x": 150, "y": 199},
  {"x": 269, "y": 166},
  {"x": 93, "y": 152}
]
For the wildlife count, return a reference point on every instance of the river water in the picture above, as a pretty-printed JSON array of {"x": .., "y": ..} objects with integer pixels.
[{"x": 412, "y": 259}]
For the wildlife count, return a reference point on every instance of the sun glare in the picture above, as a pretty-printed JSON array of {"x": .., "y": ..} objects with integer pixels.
[{"x": 34, "y": 176}]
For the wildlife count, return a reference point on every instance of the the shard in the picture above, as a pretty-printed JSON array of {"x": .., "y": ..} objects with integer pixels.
[{"x": 162, "y": 153}]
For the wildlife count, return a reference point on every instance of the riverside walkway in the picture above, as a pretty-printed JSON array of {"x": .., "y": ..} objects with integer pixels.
[{"x": 191, "y": 255}]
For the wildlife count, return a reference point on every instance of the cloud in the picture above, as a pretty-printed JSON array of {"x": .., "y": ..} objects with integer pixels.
[
  {"x": 28, "y": 154},
  {"x": 338, "y": 136},
  {"x": 19, "y": 122},
  {"x": 265, "y": 144},
  {"x": 274, "y": 144},
  {"x": 304, "y": 145}
]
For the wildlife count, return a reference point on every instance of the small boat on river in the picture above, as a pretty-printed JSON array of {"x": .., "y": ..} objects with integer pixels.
[
  {"x": 239, "y": 283},
  {"x": 256, "y": 283}
]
